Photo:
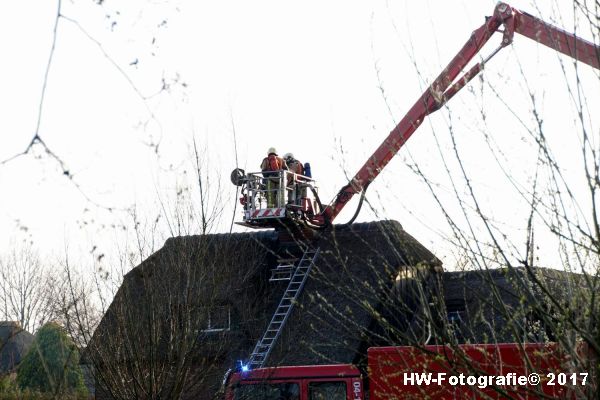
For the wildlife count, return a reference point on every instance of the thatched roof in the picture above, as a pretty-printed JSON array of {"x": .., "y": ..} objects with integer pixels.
[
  {"x": 14, "y": 344},
  {"x": 504, "y": 305},
  {"x": 354, "y": 279},
  {"x": 355, "y": 272}
]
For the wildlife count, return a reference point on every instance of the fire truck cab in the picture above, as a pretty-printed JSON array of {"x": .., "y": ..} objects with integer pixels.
[{"x": 313, "y": 382}]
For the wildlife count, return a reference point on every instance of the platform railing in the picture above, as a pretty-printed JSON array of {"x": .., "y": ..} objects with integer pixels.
[{"x": 277, "y": 190}]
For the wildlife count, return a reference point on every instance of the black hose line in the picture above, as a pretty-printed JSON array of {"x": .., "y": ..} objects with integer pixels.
[
  {"x": 358, "y": 208},
  {"x": 308, "y": 223},
  {"x": 327, "y": 220}
]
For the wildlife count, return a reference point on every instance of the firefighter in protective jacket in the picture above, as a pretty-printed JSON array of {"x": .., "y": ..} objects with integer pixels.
[
  {"x": 270, "y": 166},
  {"x": 298, "y": 190}
]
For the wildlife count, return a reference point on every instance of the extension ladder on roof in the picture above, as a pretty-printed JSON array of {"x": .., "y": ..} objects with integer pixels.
[{"x": 298, "y": 279}]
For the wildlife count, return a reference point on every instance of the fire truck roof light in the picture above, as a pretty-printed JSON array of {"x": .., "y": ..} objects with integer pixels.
[{"x": 243, "y": 367}]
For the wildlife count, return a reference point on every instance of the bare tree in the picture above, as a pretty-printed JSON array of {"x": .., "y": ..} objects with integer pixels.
[
  {"x": 167, "y": 301},
  {"x": 24, "y": 292}
]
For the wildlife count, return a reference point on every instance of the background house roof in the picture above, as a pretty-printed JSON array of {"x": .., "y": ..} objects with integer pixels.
[{"x": 14, "y": 344}]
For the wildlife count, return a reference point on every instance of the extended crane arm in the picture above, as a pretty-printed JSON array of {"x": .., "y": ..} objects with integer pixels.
[{"x": 443, "y": 89}]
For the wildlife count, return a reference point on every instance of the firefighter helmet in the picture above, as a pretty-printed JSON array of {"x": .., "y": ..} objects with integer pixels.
[{"x": 272, "y": 150}]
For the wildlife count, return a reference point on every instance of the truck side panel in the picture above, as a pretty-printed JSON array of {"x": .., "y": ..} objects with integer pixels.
[{"x": 413, "y": 373}]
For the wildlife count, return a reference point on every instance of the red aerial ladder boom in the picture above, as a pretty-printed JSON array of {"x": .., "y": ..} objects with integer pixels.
[
  {"x": 289, "y": 202},
  {"x": 443, "y": 88}
]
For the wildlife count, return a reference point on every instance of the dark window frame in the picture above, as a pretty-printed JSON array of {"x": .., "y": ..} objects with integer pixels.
[{"x": 341, "y": 383}]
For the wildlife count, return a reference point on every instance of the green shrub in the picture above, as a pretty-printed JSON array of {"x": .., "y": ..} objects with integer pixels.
[
  {"x": 51, "y": 365},
  {"x": 27, "y": 394},
  {"x": 7, "y": 384}
]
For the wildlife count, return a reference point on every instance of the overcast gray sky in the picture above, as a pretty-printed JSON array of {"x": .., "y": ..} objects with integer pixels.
[{"x": 303, "y": 77}]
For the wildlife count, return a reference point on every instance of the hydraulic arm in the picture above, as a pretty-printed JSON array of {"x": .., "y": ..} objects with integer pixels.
[{"x": 445, "y": 86}]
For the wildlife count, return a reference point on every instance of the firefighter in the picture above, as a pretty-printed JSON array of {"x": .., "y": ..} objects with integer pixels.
[
  {"x": 270, "y": 167},
  {"x": 298, "y": 190}
]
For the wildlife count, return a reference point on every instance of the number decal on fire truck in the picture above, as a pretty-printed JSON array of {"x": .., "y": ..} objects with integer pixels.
[{"x": 357, "y": 390}]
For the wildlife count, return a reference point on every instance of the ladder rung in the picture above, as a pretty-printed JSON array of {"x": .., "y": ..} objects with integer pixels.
[{"x": 296, "y": 275}]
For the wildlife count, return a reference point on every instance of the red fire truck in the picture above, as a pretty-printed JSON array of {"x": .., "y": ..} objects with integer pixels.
[{"x": 519, "y": 371}]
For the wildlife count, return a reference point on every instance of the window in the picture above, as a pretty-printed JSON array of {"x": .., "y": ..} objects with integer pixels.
[
  {"x": 218, "y": 319},
  {"x": 327, "y": 391},
  {"x": 454, "y": 317},
  {"x": 263, "y": 391},
  {"x": 455, "y": 311}
]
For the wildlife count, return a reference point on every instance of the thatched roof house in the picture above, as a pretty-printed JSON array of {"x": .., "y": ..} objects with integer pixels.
[
  {"x": 216, "y": 288},
  {"x": 197, "y": 306}
]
